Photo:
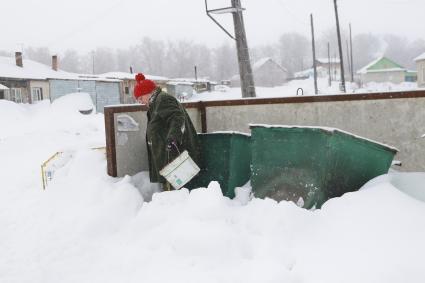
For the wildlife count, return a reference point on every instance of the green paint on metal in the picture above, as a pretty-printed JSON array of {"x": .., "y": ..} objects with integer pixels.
[
  {"x": 384, "y": 63},
  {"x": 226, "y": 158},
  {"x": 315, "y": 164}
]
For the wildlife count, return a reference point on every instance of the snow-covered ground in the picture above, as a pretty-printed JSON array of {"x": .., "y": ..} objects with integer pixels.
[
  {"x": 89, "y": 227},
  {"x": 307, "y": 85}
]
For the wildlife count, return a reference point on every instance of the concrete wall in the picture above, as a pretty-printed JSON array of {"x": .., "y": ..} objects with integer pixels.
[
  {"x": 420, "y": 66},
  {"x": 131, "y": 151},
  {"x": 393, "y": 77},
  {"x": 398, "y": 122}
]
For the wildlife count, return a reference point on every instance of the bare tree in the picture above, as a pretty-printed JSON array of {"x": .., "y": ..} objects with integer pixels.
[
  {"x": 70, "y": 61},
  {"x": 179, "y": 59},
  {"x": 104, "y": 60},
  {"x": 225, "y": 62},
  {"x": 366, "y": 47},
  {"x": 39, "y": 54},
  {"x": 294, "y": 51},
  {"x": 149, "y": 56}
]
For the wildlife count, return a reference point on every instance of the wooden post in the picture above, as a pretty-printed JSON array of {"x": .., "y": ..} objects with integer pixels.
[
  {"x": 316, "y": 91},
  {"x": 245, "y": 70},
  {"x": 340, "y": 48},
  {"x": 351, "y": 56},
  {"x": 329, "y": 64},
  {"x": 348, "y": 59}
]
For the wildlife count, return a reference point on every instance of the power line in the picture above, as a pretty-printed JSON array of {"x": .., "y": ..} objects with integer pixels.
[
  {"x": 95, "y": 18},
  {"x": 291, "y": 13}
]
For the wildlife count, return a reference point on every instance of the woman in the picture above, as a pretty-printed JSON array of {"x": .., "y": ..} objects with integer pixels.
[{"x": 169, "y": 129}]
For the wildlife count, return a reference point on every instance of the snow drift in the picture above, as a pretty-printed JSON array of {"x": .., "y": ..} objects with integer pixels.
[{"x": 89, "y": 227}]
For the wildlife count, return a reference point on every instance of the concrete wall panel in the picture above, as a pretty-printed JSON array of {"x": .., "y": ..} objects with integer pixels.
[{"x": 398, "y": 122}]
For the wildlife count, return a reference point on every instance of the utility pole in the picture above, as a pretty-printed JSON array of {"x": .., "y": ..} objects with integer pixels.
[
  {"x": 196, "y": 74},
  {"x": 340, "y": 48},
  {"x": 245, "y": 70},
  {"x": 316, "y": 91},
  {"x": 92, "y": 54},
  {"x": 329, "y": 64},
  {"x": 351, "y": 55},
  {"x": 348, "y": 58}
]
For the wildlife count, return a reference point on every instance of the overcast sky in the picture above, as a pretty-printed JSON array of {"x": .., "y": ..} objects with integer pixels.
[{"x": 87, "y": 24}]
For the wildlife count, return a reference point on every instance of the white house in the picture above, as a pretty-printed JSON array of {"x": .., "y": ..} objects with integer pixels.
[
  {"x": 385, "y": 70},
  {"x": 28, "y": 81},
  {"x": 267, "y": 73},
  {"x": 420, "y": 67},
  {"x": 333, "y": 65}
]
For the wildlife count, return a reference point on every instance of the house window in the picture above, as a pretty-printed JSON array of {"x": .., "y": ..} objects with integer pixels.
[
  {"x": 16, "y": 95},
  {"x": 36, "y": 94},
  {"x": 126, "y": 90}
]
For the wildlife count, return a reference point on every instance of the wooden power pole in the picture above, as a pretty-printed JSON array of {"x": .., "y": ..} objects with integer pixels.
[
  {"x": 316, "y": 91},
  {"x": 351, "y": 56},
  {"x": 341, "y": 59},
  {"x": 245, "y": 70},
  {"x": 329, "y": 64}
]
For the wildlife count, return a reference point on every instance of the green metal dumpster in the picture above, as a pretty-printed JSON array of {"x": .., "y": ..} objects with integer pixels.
[
  {"x": 309, "y": 165},
  {"x": 226, "y": 158}
]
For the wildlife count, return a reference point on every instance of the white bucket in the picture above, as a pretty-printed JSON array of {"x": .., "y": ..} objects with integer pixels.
[{"x": 180, "y": 171}]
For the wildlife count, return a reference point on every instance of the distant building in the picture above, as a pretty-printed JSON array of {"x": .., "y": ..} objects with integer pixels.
[
  {"x": 267, "y": 73},
  {"x": 420, "y": 67},
  {"x": 309, "y": 73},
  {"x": 385, "y": 70},
  {"x": 4, "y": 91},
  {"x": 28, "y": 81},
  {"x": 127, "y": 82},
  {"x": 334, "y": 65},
  {"x": 182, "y": 90}
]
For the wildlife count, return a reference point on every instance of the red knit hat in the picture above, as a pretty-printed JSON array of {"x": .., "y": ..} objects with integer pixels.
[
  {"x": 140, "y": 77},
  {"x": 143, "y": 86}
]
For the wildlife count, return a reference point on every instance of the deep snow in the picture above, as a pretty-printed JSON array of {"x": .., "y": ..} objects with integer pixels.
[{"x": 89, "y": 227}]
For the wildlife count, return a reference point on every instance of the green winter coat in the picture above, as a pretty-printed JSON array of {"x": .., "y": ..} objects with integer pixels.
[{"x": 167, "y": 121}]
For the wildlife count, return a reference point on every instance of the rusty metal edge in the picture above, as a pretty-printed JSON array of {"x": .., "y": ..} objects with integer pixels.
[
  {"x": 320, "y": 98},
  {"x": 111, "y": 158},
  {"x": 280, "y": 100}
]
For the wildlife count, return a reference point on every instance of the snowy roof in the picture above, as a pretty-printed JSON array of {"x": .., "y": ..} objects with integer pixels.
[
  {"x": 30, "y": 70},
  {"x": 191, "y": 80},
  {"x": 308, "y": 72},
  {"x": 129, "y": 76},
  {"x": 180, "y": 83},
  {"x": 326, "y": 60},
  {"x": 33, "y": 70},
  {"x": 2, "y": 87},
  {"x": 381, "y": 64},
  {"x": 263, "y": 61},
  {"x": 420, "y": 57}
]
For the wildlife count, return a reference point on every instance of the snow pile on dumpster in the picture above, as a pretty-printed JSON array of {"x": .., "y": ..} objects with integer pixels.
[{"x": 89, "y": 227}]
